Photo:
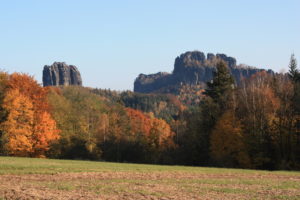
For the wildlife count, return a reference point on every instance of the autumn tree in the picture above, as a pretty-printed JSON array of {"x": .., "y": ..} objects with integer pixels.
[
  {"x": 227, "y": 143},
  {"x": 44, "y": 133},
  {"x": 102, "y": 127},
  {"x": 139, "y": 122},
  {"x": 257, "y": 108},
  {"x": 161, "y": 135},
  {"x": 38, "y": 125},
  {"x": 152, "y": 134},
  {"x": 18, "y": 127}
]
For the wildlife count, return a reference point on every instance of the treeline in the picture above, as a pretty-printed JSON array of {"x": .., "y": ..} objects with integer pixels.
[
  {"x": 93, "y": 128},
  {"x": 253, "y": 125},
  {"x": 75, "y": 123}
]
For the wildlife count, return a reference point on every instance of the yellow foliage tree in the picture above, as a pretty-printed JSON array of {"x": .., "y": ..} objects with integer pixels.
[
  {"x": 28, "y": 128},
  {"x": 161, "y": 134},
  {"x": 18, "y": 126},
  {"x": 44, "y": 132}
]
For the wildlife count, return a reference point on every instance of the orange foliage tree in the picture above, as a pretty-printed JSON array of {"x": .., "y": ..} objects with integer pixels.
[
  {"x": 139, "y": 122},
  {"x": 17, "y": 128},
  {"x": 44, "y": 133},
  {"x": 161, "y": 134},
  {"x": 157, "y": 132},
  {"x": 25, "y": 98},
  {"x": 258, "y": 103},
  {"x": 257, "y": 108}
]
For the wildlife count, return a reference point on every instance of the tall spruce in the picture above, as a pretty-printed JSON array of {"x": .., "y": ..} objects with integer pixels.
[
  {"x": 221, "y": 87},
  {"x": 294, "y": 76},
  {"x": 293, "y": 71},
  {"x": 219, "y": 92}
]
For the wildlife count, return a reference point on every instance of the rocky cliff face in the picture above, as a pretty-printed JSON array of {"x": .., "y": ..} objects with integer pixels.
[
  {"x": 193, "y": 68},
  {"x": 59, "y": 73},
  {"x": 152, "y": 82}
]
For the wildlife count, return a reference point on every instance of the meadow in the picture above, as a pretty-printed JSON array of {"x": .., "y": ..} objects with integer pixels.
[{"x": 33, "y": 178}]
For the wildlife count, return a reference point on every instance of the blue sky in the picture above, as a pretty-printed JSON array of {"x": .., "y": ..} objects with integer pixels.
[{"x": 112, "y": 41}]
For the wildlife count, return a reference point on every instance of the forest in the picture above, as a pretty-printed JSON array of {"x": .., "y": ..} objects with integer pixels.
[{"x": 254, "y": 125}]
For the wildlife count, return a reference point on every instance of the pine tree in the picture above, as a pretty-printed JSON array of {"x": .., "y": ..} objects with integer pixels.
[
  {"x": 219, "y": 93},
  {"x": 294, "y": 74},
  {"x": 221, "y": 87}
]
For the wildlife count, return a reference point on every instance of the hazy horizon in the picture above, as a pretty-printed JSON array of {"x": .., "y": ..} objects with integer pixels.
[{"x": 112, "y": 42}]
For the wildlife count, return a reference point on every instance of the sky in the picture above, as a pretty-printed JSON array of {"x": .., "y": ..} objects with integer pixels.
[{"x": 112, "y": 42}]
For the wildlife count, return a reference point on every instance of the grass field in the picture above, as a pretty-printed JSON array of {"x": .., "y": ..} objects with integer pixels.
[{"x": 28, "y": 178}]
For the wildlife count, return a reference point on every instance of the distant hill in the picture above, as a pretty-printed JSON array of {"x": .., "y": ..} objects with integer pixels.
[{"x": 192, "y": 68}]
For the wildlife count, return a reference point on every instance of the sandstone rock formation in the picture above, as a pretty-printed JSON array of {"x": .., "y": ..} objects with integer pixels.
[
  {"x": 193, "y": 68},
  {"x": 59, "y": 73}
]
